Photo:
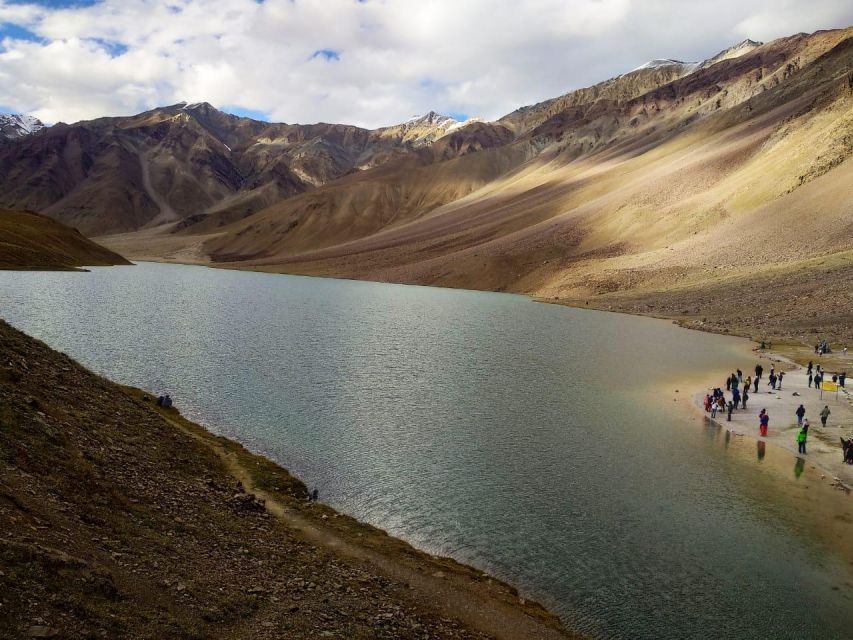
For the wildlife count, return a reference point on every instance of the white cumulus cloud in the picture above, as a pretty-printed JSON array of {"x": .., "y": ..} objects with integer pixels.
[{"x": 371, "y": 63}]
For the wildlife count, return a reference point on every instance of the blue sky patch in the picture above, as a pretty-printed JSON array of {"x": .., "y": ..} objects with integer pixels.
[
  {"x": 16, "y": 32},
  {"x": 114, "y": 48},
  {"x": 328, "y": 54},
  {"x": 458, "y": 115},
  {"x": 245, "y": 113}
]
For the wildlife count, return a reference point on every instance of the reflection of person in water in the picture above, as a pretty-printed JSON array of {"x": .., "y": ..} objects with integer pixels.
[
  {"x": 799, "y": 465},
  {"x": 761, "y": 449}
]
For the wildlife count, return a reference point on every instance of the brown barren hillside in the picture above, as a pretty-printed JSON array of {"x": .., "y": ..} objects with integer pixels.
[
  {"x": 32, "y": 241},
  {"x": 122, "y": 520},
  {"x": 713, "y": 193}
]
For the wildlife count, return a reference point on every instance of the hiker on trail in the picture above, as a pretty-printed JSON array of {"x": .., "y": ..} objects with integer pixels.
[
  {"x": 810, "y": 378},
  {"x": 763, "y": 422},
  {"x": 811, "y": 366},
  {"x": 758, "y": 371},
  {"x": 167, "y": 401},
  {"x": 772, "y": 380},
  {"x": 731, "y": 408},
  {"x": 800, "y": 412},
  {"x": 735, "y": 382},
  {"x": 707, "y": 402},
  {"x": 779, "y": 380},
  {"x": 841, "y": 378},
  {"x": 817, "y": 380},
  {"x": 736, "y": 397},
  {"x": 745, "y": 396},
  {"x": 801, "y": 441},
  {"x": 824, "y": 414}
]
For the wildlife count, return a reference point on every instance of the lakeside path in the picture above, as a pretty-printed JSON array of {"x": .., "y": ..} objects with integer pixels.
[
  {"x": 122, "y": 520},
  {"x": 824, "y": 444}
]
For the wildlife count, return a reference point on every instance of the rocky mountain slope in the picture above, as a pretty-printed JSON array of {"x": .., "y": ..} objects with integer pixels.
[
  {"x": 33, "y": 241},
  {"x": 122, "y": 520},
  {"x": 15, "y": 125},
  {"x": 674, "y": 177},
  {"x": 187, "y": 160}
]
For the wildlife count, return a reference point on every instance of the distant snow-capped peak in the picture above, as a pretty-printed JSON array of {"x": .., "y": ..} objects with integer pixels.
[
  {"x": 660, "y": 62},
  {"x": 431, "y": 119},
  {"x": 17, "y": 125}
]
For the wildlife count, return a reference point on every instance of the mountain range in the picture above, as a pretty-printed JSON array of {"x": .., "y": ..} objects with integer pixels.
[{"x": 658, "y": 191}]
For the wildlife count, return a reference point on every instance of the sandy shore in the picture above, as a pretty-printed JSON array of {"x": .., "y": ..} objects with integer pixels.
[{"x": 824, "y": 445}]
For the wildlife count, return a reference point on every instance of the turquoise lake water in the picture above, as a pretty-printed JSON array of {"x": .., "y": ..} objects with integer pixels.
[{"x": 540, "y": 443}]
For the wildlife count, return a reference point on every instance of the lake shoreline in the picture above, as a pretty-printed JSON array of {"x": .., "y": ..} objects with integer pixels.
[
  {"x": 437, "y": 586},
  {"x": 823, "y": 447}
]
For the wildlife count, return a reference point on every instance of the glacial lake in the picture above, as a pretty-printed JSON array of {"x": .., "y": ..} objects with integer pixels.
[{"x": 543, "y": 444}]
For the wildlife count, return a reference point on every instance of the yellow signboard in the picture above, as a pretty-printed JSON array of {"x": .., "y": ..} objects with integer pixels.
[{"x": 829, "y": 386}]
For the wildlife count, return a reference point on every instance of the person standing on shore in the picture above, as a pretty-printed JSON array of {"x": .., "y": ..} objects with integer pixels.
[
  {"x": 817, "y": 380},
  {"x": 772, "y": 380},
  {"x": 800, "y": 412},
  {"x": 801, "y": 441},
  {"x": 758, "y": 371},
  {"x": 721, "y": 403},
  {"x": 824, "y": 415},
  {"x": 745, "y": 396},
  {"x": 740, "y": 375},
  {"x": 731, "y": 408},
  {"x": 729, "y": 383},
  {"x": 735, "y": 397},
  {"x": 763, "y": 422},
  {"x": 811, "y": 366},
  {"x": 779, "y": 380},
  {"x": 806, "y": 426},
  {"x": 707, "y": 402},
  {"x": 810, "y": 378}
]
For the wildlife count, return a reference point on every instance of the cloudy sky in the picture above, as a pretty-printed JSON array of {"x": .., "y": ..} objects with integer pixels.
[{"x": 364, "y": 62}]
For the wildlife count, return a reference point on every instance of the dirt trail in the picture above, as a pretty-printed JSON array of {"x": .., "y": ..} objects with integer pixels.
[{"x": 449, "y": 595}]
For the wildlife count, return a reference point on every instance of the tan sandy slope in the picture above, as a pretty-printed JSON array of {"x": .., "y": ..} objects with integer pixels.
[{"x": 709, "y": 183}]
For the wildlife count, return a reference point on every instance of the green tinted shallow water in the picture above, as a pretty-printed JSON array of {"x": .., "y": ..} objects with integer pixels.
[{"x": 536, "y": 442}]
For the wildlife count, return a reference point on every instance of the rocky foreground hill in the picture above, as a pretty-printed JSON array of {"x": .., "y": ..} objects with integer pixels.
[
  {"x": 122, "y": 520},
  {"x": 33, "y": 241}
]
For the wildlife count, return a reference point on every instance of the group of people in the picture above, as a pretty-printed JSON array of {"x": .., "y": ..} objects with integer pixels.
[
  {"x": 739, "y": 388},
  {"x": 816, "y": 376}
]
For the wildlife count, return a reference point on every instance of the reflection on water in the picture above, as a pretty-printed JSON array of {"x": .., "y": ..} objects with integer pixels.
[
  {"x": 546, "y": 445},
  {"x": 761, "y": 446},
  {"x": 799, "y": 467}
]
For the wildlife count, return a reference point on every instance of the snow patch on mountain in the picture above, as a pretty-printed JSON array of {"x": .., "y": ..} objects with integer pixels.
[
  {"x": 17, "y": 125},
  {"x": 431, "y": 119},
  {"x": 660, "y": 62}
]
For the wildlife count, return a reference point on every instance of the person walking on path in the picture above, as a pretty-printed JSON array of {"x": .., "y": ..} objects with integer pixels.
[
  {"x": 763, "y": 422},
  {"x": 735, "y": 382},
  {"x": 801, "y": 411},
  {"x": 810, "y": 378},
  {"x": 806, "y": 426},
  {"x": 729, "y": 383},
  {"x": 772, "y": 380},
  {"x": 824, "y": 415},
  {"x": 811, "y": 366},
  {"x": 745, "y": 396},
  {"x": 740, "y": 375},
  {"x": 736, "y": 397},
  {"x": 758, "y": 371},
  {"x": 731, "y": 408},
  {"x": 779, "y": 380},
  {"x": 714, "y": 408},
  {"x": 707, "y": 403},
  {"x": 801, "y": 441}
]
